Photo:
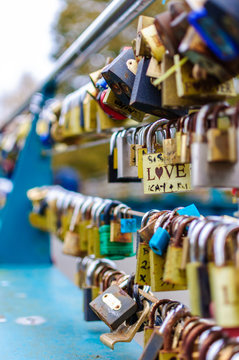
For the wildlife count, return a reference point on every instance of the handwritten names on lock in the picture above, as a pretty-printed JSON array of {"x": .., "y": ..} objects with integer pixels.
[{"x": 160, "y": 178}]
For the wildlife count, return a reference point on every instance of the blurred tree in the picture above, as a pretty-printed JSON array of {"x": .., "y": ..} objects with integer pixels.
[
  {"x": 12, "y": 100},
  {"x": 74, "y": 18}
]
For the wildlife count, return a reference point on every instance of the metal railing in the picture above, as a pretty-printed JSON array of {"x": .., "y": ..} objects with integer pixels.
[{"x": 117, "y": 15}]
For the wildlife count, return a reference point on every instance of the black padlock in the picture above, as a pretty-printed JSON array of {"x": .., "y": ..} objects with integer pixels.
[
  {"x": 118, "y": 76},
  {"x": 146, "y": 97}
]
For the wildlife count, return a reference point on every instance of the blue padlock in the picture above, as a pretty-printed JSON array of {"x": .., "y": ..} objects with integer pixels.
[
  {"x": 128, "y": 225},
  {"x": 159, "y": 241},
  {"x": 190, "y": 210}
]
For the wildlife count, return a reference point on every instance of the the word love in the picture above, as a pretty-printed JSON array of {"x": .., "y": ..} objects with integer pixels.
[{"x": 161, "y": 178}]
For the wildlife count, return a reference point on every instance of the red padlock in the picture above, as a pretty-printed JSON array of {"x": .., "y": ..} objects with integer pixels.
[{"x": 112, "y": 113}]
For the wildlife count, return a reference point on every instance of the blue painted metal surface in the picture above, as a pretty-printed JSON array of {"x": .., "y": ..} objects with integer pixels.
[
  {"x": 19, "y": 242},
  {"x": 43, "y": 291}
]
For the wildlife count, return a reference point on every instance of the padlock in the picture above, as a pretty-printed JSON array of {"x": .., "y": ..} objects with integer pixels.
[
  {"x": 113, "y": 161},
  {"x": 91, "y": 233},
  {"x": 71, "y": 245},
  {"x": 207, "y": 90},
  {"x": 161, "y": 178},
  {"x": 222, "y": 19},
  {"x": 173, "y": 272},
  {"x": 165, "y": 32},
  {"x": 168, "y": 327},
  {"x": 112, "y": 113},
  {"x": 108, "y": 248},
  {"x": 196, "y": 50},
  {"x": 89, "y": 109},
  {"x": 222, "y": 145},
  {"x": 148, "y": 330},
  {"x": 67, "y": 211},
  {"x": 81, "y": 266},
  {"x": 142, "y": 275},
  {"x": 170, "y": 97},
  {"x": 126, "y": 333},
  {"x": 169, "y": 147},
  {"x": 224, "y": 280},
  {"x": 156, "y": 341},
  {"x": 141, "y": 149},
  {"x": 148, "y": 222},
  {"x": 186, "y": 135},
  {"x": 205, "y": 243},
  {"x": 148, "y": 43},
  {"x": 141, "y": 46},
  {"x": 157, "y": 265},
  {"x": 115, "y": 227},
  {"x": 112, "y": 101},
  {"x": 84, "y": 221},
  {"x": 159, "y": 242},
  {"x": 118, "y": 76},
  {"x": 195, "y": 229},
  {"x": 128, "y": 223},
  {"x": 205, "y": 174},
  {"x": 123, "y": 157},
  {"x": 145, "y": 96},
  {"x": 114, "y": 306}
]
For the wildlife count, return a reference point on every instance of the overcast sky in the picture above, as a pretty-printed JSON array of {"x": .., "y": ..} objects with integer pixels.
[{"x": 25, "y": 39}]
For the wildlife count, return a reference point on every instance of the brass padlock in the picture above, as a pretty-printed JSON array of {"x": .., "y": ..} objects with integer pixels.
[
  {"x": 169, "y": 147},
  {"x": 224, "y": 279},
  {"x": 222, "y": 145},
  {"x": 115, "y": 227}
]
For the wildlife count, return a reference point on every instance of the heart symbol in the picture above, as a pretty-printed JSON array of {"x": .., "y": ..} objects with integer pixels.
[{"x": 159, "y": 172}]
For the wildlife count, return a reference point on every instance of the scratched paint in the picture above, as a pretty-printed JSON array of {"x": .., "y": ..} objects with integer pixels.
[{"x": 31, "y": 320}]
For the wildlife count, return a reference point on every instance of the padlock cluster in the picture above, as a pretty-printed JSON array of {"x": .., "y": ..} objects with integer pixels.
[
  {"x": 197, "y": 150},
  {"x": 86, "y": 225},
  {"x": 175, "y": 64},
  {"x": 176, "y": 249}
]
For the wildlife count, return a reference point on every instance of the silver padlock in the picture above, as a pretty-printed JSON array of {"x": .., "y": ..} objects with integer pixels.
[
  {"x": 205, "y": 174},
  {"x": 123, "y": 156}
]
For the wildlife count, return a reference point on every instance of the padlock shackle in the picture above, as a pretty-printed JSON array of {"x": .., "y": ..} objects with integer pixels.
[
  {"x": 117, "y": 211},
  {"x": 167, "y": 334},
  {"x": 207, "y": 338},
  {"x": 93, "y": 266},
  {"x": 146, "y": 217},
  {"x": 181, "y": 229},
  {"x": 193, "y": 239},
  {"x": 192, "y": 336},
  {"x": 75, "y": 213},
  {"x": 100, "y": 210},
  {"x": 204, "y": 238},
  {"x": 156, "y": 125},
  {"x": 218, "y": 108},
  {"x": 219, "y": 244},
  {"x": 86, "y": 207},
  {"x": 67, "y": 201},
  {"x": 153, "y": 311},
  {"x": 201, "y": 120},
  {"x": 107, "y": 211},
  {"x": 167, "y": 128},
  {"x": 94, "y": 208},
  {"x": 113, "y": 140}
]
